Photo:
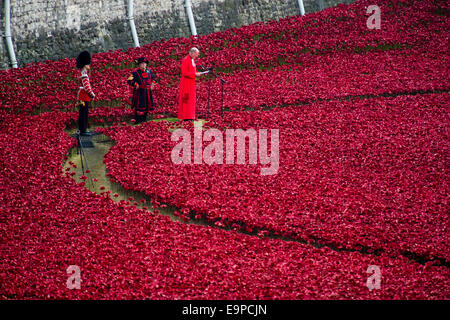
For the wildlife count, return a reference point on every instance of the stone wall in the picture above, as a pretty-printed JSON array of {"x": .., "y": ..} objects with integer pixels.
[{"x": 44, "y": 29}]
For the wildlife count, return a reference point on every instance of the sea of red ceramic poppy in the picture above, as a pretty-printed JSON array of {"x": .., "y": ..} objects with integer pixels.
[{"x": 362, "y": 178}]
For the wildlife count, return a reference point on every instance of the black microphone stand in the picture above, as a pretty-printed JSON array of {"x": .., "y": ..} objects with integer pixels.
[
  {"x": 209, "y": 97},
  {"x": 222, "y": 81}
]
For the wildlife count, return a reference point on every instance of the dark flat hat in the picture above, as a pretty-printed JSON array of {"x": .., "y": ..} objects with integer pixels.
[
  {"x": 83, "y": 59},
  {"x": 141, "y": 59}
]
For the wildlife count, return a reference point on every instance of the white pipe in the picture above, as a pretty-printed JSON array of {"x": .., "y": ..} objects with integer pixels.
[
  {"x": 132, "y": 25},
  {"x": 302, "y": 8},
  {"x": 188, "y": 6},
  {"x": 9, "y": 44}
]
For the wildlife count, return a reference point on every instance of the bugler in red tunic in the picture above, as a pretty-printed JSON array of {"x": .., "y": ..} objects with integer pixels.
[{"x": 85, "y": 92}]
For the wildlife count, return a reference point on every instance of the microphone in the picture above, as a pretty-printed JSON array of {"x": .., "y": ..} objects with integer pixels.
[{"x": 207, "y": 69}]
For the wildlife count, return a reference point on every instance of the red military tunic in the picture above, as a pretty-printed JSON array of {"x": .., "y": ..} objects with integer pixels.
[
  {"x": 186, "y": 109},
  {"x": 85, "y": 92}
]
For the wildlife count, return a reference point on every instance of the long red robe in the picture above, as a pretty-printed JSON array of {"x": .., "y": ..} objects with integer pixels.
[{"x": 186, "y": 109}]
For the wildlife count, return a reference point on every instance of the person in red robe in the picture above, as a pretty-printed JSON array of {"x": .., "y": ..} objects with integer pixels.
[{"x": 186, "y": 109}]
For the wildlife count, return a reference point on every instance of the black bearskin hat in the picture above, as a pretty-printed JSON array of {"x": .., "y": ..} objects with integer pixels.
[{"x": 83, "y": 59}]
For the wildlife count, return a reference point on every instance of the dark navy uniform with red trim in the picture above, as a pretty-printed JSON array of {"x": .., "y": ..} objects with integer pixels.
[{"x": 142, "y": 100}]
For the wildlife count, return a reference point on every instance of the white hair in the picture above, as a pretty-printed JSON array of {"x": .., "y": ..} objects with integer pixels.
[{"x": 193, "y": 50}]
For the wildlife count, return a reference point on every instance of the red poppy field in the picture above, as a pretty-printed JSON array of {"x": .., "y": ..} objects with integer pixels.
[{"x": 362, "y": 180}]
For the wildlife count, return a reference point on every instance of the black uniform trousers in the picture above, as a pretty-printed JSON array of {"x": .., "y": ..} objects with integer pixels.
[{"x": 83, "y": 116}]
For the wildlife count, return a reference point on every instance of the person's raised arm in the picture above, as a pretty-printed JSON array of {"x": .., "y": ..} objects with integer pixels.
[{"x": 132, "y": 82}]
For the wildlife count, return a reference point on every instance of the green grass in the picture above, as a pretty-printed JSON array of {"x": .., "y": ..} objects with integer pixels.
[
  {"x": 382, "y": 47},
  {"x": 258, "y": 37},
  {"x": 166, "y": 119}
]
